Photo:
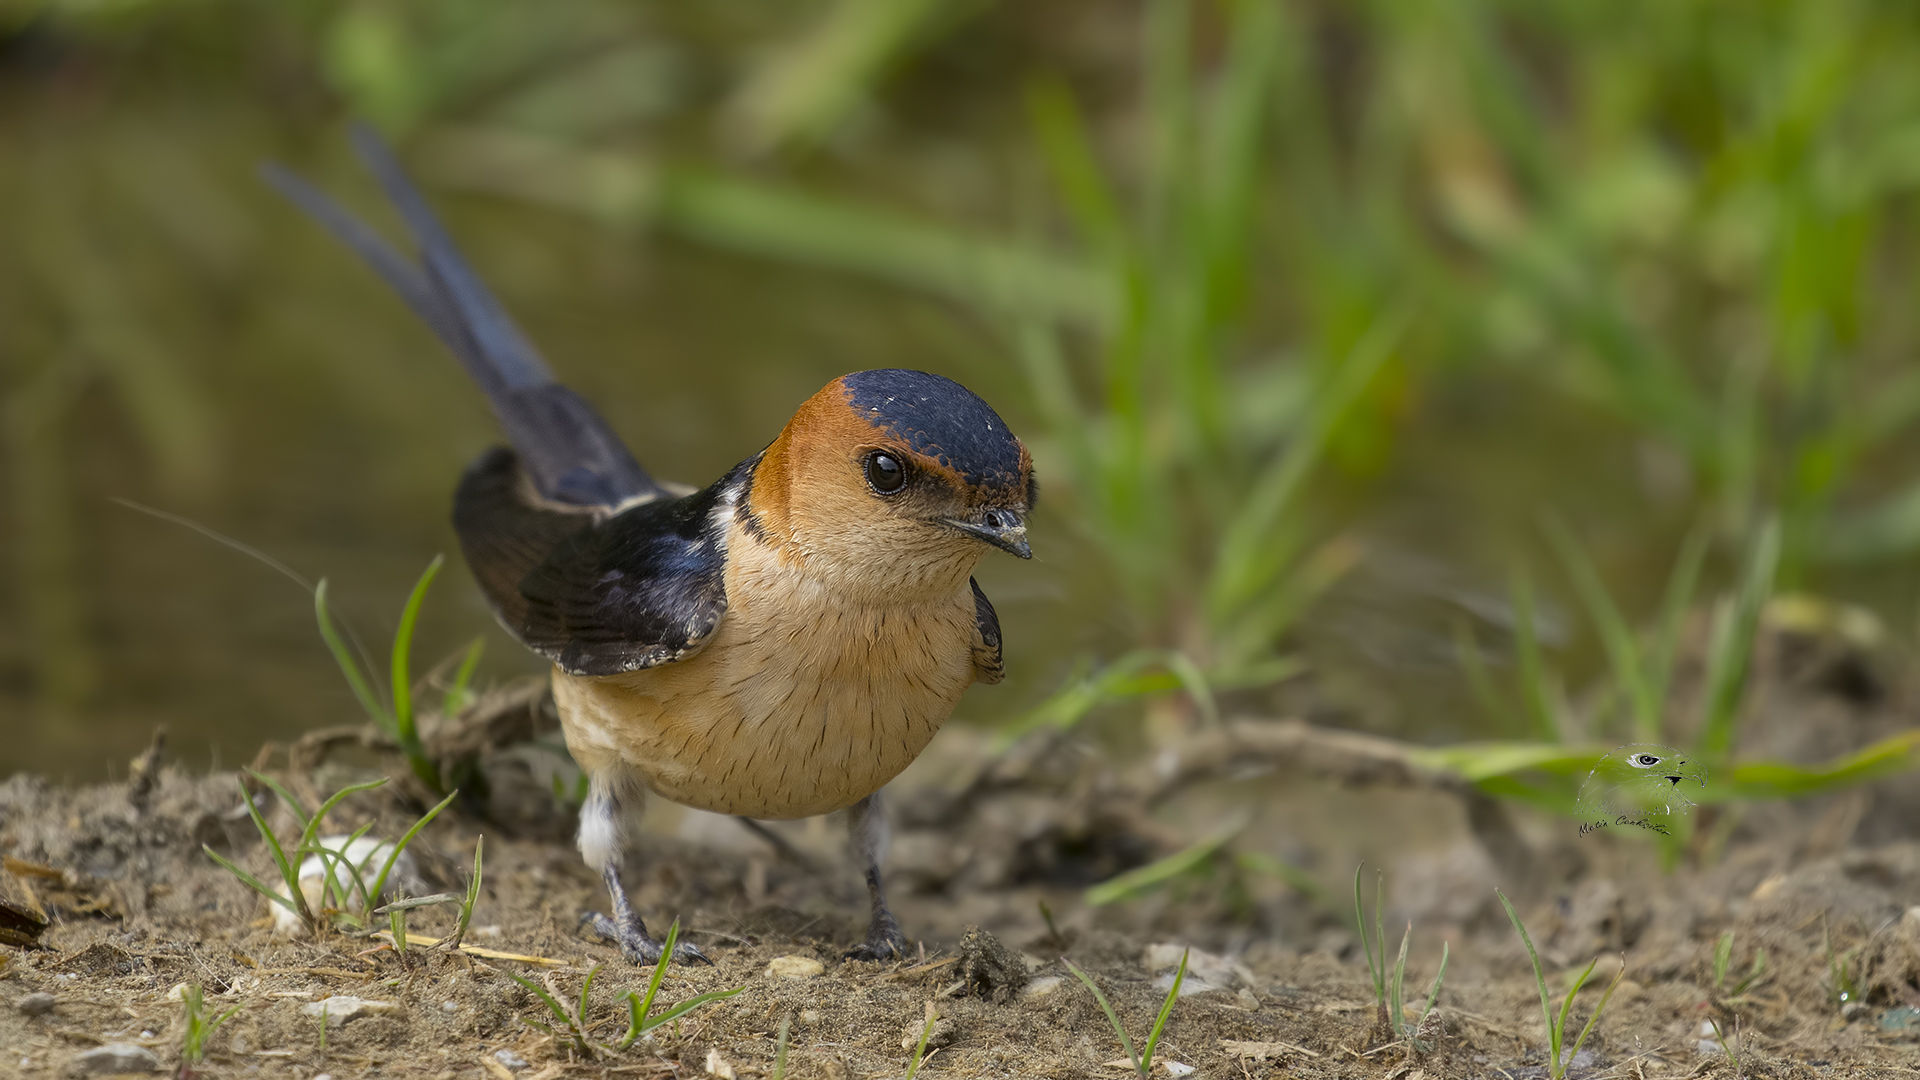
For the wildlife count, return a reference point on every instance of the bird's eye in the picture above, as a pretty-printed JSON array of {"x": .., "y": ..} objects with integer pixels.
[
  {"x": 885, "y": 472},
  {"x": 1646, "y": 759}
]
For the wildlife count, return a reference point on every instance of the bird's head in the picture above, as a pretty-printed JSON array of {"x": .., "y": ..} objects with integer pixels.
[{"x": 894, "y": 479}]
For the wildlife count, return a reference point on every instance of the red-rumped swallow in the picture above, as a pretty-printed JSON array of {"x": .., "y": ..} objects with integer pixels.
[{"x": 778, "y": 644}]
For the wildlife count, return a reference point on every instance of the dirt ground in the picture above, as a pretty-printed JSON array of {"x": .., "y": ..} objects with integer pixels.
[{"x": 1007, "y": 842}]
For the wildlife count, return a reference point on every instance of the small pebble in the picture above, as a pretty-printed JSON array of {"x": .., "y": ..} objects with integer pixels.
[
  {"x": 794, "y": 967},
  {"x": 114, "y": 1058},
  {"x": 809, "y": 1016},
  {"x": 324, "y": 1076},
  {"x": 450, "y": 1006},
  {"x": 39, "y": 1003},
  {"x": 1041, "y": 987},
  {"x": 510, "y": 1059},
  {"x": 341, "y": 1008}
]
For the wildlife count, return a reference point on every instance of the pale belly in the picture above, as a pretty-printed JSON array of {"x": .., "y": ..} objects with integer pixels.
[{"x": 779, "y": 719}]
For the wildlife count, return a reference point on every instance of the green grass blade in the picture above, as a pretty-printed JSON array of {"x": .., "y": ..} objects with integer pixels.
[
  {"x": 920, "y": 1048},
  {"x": 586, "y": 988},
  {"x": 1598, "y": 1009},
  {"x": 1194, "y": 681},
  {"x": 1366, "y": 942},
  {"x": 1061, "y": 134},
  {"x": 780, "y": 1050},
  {"x": 1722, "y": 954},
  {"x": 1753, "y": 974},
  {"x": 312, "y": 830},
  {"x": 380, "y": 882},
  {"x": 1396, "y": 1005},
  {"x": 1107, "y": 1008},
  {"x": 989, "y": 275},
  {"x": 553, "y": 1006},
  {"x": 1559, "y": 1029},
  {"x": 472, "y": 896},
  {"x": 1380, "y": 937},
  {"x": 401, "y": 679},
  {"x": 639, "y": 1007},
  {"x": 1159, "y": 872},
  {"x": 1539, "y": 976},
  {"x": 1236, "y": 575},
  {"x": 1166, "y": 1010},
  {"x": 1664, "y": 650},
  {"x": 1466, "y": 646},
  {"x": 1616, "y": 636},
  {"x": 286, "y": 797},
  {"x": 1439, "y": 977},
  {"x": 691, "y": 1004},
  {"x": 349, "y": 667},
  {"x": 459, "y": 692},
  {"x": 289, "y": 872},
  {"x": 254, "y": 883},
  {"x": 1534, "y": 690},
  {"x": 1736, "y": 622},
  {"x": 1299, "y": 880},
  {"x": 331, "y": 859}
]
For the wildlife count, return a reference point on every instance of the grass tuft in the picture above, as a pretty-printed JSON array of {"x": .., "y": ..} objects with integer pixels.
[
  {"x": 1142, "y": 1060},
  {"x": 472, "y": 895},
  {"x": 1389, "y": 987},
  {"x": 640, "y": 1009},
  {"x": 395, "y": 715},
  {"x": 200, "y": 1026},
  {"x": 346, "y": 895},
  {"x": 1557, "y": 1026}
]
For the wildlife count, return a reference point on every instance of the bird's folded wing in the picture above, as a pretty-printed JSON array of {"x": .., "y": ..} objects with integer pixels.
[
  {"x": 596, "y": 591},
  {"x": 987, "y": 667}
]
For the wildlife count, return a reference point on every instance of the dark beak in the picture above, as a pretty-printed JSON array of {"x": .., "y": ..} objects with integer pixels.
[{"x": 1004, "y": 529}]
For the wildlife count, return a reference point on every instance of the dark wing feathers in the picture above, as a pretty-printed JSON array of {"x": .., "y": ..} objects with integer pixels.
[
  {"x": 567, "y": 450},
  {"x": 639, "y": 589},
  {"x": 598, "y": 592},
  {"x": 986, "y": 652}
]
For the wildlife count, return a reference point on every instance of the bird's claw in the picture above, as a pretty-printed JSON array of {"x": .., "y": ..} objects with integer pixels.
[
  {"x": 637, "y": 945},
  {"x": 883, "y": 943}
]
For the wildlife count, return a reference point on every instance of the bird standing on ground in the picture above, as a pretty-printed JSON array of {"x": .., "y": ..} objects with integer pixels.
[{"x": 779, "y": 644}]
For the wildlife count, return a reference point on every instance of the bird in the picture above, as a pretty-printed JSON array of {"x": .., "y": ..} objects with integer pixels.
[{"x": 778, "y": 644}]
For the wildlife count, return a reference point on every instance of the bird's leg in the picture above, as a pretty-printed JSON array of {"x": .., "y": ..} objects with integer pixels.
[
  {"x": 609, "y": 807},
  {"x": 867, "y": 827},
  {"x": 778, "y": 843}
]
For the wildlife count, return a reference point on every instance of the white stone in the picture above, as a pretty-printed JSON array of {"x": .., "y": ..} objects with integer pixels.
[
  {"x": 1042, "y": 986},
  {"x": 794, "y": 967},
  {"x": 341, "y": 1008},
  {"x": 364, "y": 858}
]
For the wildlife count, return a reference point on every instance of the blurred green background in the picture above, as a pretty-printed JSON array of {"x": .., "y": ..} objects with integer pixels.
[{"x": 1323, "y": 320}]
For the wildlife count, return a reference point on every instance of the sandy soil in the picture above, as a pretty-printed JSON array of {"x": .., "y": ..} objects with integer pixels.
[{"x": 1007, "y": 843}]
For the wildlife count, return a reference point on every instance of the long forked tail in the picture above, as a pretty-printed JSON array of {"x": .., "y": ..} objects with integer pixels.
[{"x": 564, "y": 447}]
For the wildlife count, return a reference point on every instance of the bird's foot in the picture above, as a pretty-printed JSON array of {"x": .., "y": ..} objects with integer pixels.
[
  {"x": 637, "y": 945},
  {"x": 884, "y": 942}
]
